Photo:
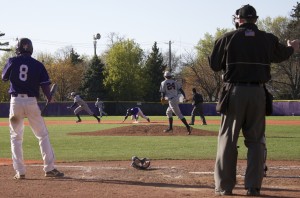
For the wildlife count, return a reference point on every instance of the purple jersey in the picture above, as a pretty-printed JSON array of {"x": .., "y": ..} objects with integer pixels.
[
  {"x": 26, "y": 75},
  {"x": 134, "y": 111}
]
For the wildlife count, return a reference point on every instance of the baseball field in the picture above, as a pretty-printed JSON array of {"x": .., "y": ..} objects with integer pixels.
[{"x": 96, "y": 159}]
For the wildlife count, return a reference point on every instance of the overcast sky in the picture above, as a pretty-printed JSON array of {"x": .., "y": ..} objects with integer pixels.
[{"x": 55, "y": 24}]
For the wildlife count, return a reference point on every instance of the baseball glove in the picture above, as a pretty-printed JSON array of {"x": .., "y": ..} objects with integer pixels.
[{"x": 163, "y": 101}]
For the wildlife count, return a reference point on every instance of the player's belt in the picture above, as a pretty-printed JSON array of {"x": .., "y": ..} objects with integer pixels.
[
  {"x": 20, "y": 95},
  {"x": 248, "y": 84}
]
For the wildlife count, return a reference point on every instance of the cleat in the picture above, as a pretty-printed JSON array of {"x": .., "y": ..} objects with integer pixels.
[
  {"x": 98, "y": 119},
  {"x": 78, "y": 121},
  {"x": 168, "y": 130},
  {"x": 148, "y": 119},
  {"x": 223, "y": 193},
  {"x": 191, "y": 123},
  {"x": 19, "y": 177},
  {"x": 54, "y": 173},
  {"x": 189, "y": 130},
  {"x": 204, "y": 124}
]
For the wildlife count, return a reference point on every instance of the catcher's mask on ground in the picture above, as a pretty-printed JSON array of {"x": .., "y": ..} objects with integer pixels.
[{"x": 141, "y": 164}]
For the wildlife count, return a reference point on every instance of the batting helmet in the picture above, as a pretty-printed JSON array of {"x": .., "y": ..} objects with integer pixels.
[
  {"x": 24, "y": 46},
  {"x": 73, "y": 94}
]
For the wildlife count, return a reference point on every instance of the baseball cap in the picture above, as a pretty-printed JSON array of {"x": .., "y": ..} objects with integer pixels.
[
  {"x": 247, "y": 11},
  {"x": 167, "y": 74}
]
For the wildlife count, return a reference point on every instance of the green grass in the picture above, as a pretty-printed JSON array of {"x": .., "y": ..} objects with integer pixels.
[{"x": 283, "y": 142}]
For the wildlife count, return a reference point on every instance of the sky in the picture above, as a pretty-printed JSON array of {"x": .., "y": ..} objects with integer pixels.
[{"x": 55, "y": 24}]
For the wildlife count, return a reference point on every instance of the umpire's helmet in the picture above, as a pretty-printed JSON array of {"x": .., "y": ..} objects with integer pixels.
[
  {"x": 247, "y": 12},
  {"x": 24, "y": 46}
]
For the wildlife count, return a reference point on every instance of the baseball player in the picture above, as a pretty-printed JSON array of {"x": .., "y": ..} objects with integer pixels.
[
  {"x": 197, "y": 106},
  {"x": 169, "y": 90},
  {"x": 81, "y": 106},
  {"x": 100, "y": 106},
  {"x": 135, "y": 112},
  {"x": 26, "y": 76}
]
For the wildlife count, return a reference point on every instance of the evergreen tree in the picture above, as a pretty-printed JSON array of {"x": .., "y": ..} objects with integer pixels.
[
  {"x": 92, "y": 85},
  {"x": 75, "y": 57},
  {"x": 154, "y": 69},
  {"x": 4, "y": 44}
]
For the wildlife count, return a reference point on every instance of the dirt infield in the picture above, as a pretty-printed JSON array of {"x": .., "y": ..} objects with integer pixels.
[{"x": 164, "y": 178}]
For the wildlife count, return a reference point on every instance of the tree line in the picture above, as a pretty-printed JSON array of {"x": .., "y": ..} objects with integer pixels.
[{"x": 125, "y": 72}]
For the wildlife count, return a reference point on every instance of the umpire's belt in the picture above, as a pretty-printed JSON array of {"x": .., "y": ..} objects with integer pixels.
[
  {"x": 21, "y": 95},
  {"x": 248, "y": 84}
]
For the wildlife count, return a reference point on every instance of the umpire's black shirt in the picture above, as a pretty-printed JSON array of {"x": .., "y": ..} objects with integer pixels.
[{"x": 245, "y": 54}]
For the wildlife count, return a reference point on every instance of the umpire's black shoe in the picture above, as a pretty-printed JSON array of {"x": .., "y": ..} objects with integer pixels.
[
  {"x": 148, "y": 119},
  {"x": 191, "y": 123},
  {"x": 253, "y": 192}
]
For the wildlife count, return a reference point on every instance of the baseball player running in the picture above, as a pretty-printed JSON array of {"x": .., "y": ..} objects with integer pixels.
[
  {"x": 100, "y": 106},
  {"x": 135, "y": 112},
  {"x": 81, "y": 106},
  {"x": 26, "y": 76},
  {"x": 169, "y": 90}
]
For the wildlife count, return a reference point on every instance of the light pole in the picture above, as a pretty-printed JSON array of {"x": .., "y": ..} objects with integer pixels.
[{"x": 96, "y": 37}]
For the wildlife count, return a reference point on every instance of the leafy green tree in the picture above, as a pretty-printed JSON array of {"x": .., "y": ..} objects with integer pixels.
[
  {"x": 92, "y": 85},
  {"x": 123, "y": 71},
  {"x": 4, "y": 86},
  {"x": 154, "y": 69}
]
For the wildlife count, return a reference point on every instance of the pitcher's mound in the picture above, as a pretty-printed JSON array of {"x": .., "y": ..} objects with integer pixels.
[{"x": 147, "y": 130}]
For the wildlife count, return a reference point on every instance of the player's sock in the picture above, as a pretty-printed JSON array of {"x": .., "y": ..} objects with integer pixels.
[
  {"x": 78, "y": 117},
  {"x": 170, "y": 123},
  {"x": 185, "y": 122}
]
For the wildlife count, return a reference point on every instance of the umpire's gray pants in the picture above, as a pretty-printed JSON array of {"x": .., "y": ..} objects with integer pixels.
[{"x": 246, "y": 111}]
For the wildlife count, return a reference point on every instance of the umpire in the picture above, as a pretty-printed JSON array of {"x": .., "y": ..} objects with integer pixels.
[
  {"x": 197, "y": 106},
  {"x": 244, "y": 55}
]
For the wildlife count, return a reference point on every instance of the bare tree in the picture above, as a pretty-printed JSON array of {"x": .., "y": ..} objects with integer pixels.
[{"x": 197, "y": 73}]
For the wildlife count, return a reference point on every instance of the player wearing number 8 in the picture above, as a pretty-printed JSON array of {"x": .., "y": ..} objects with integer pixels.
[{"x": 26, "y": 76}]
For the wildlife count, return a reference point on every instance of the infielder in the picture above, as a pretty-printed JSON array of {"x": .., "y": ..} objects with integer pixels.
[
  {"x": 26, "y": 76},
  {"x": 169, "y": 90},
  {"x": 81, "y": 106},
  {"x": 135, "y": 112},
  {"x": 100, "y": 106}
]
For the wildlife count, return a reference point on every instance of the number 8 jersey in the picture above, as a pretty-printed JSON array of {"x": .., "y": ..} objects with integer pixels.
[
  {"x": 26, "y": 75},
  {"x": 170, "y": 88}
]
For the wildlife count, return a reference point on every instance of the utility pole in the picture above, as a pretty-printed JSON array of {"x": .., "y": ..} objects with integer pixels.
[
  {"x": 170, "y": 56},
  {"x": 97, "y": 37}
]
